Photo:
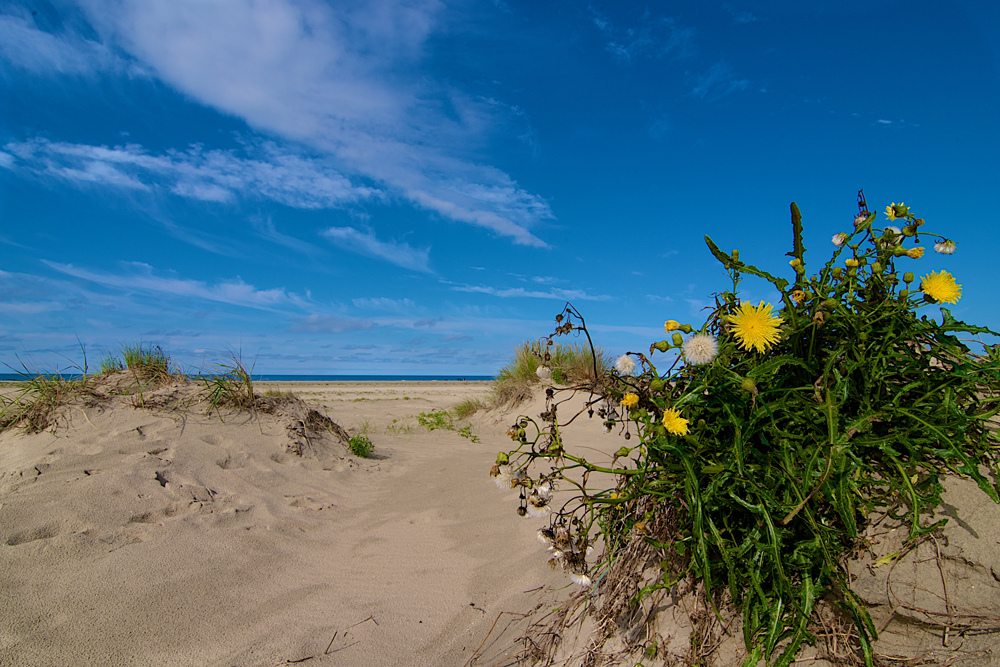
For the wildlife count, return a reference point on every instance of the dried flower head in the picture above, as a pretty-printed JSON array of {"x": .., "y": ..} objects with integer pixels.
[
  {"x": 839, "y": 239},
  {"x": 503, "y": 477},
  {"x": 756, "y": 327},
  {"x": 941, "y": 287},
  {"x": 538, "y": 500},
  {"x": 945, "y": 247},
  {"x": 701, "y": 349},
  {"x": 915, "y": 253},
  {"x": 891, "y": 235},
  {"x": 624, "y": 365},
  {"x": 543, "y": 372}
]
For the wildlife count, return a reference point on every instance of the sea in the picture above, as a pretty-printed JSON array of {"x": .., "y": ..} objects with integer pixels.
[{"x": 16, "y": 377}]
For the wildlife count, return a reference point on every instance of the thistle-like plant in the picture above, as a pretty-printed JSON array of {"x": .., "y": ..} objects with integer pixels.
[{"x": 777, "y": 433}]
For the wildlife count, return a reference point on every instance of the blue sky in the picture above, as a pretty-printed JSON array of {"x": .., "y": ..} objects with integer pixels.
[{"x": 416, "y": 186}]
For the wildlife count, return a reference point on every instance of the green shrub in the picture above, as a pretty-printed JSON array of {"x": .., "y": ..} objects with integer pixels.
[
  {"x": 361, "y": 446},
  {"x": 753, "y": 464}
]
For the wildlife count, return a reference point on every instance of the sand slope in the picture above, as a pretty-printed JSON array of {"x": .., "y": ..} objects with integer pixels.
[{"x": 136, "y": 537}]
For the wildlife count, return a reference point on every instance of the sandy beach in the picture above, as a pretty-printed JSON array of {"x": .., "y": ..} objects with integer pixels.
[
  {"x": 145, "y": 537},
  {"x": 168, "y": 536}
]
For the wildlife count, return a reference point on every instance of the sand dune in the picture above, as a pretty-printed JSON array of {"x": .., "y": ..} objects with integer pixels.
[{"x": 175, "y": 538}]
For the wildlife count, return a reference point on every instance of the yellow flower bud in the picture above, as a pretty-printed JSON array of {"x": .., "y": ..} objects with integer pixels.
[
  {"x": 671, "y": 325},
  {"x": 915, "y": 253},
  {"x": 908, "y": 277},
  {"x": 678, "y": 339},
  {"x": 851, "y": 263}
]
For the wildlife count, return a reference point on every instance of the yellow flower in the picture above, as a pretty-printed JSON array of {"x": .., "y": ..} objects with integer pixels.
[
  {"x": 941, "y": 287},
  {"x": 851, "y": 263},
  {"x": 896, "y": 212},
  {"x": 630, "y": 400},
  {"x": 756, "y": 327},
  {"x": 671, "y": 325},
  {"x": 674, "y": 423},
  {"x": 915, "y": 253},
  {"x": 797, "y": 265}
]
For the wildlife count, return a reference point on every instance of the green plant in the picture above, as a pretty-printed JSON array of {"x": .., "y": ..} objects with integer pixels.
[
  {"x": 145, "y": 362},
  {"x": 361, "y": 446},
  {"x": 577, "y": 364},
  {"x": 435, "y": 420},
  {"x": 760, "y": 452},
  {"x": 34, "y": 407},
  {"x": 111, "y": 364},
  {"x": 466, "y": 432},
  {"x": 231, "y": 385},
  {"x": 467, "y": 408}
]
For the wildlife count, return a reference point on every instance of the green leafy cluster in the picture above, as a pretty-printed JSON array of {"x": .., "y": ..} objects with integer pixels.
[
  {"x": 778, "y": 457},
  {"x": 361, "y": 446}
]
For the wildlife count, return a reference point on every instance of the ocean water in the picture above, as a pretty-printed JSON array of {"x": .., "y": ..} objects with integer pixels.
[{"x": 9, "y": 377}]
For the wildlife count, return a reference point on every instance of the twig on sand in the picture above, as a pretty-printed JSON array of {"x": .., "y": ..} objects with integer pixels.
[{"x": 475, "y": 653}]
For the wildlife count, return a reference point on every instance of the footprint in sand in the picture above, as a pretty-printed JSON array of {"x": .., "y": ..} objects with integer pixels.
[
  {"x": 40, "y": 533},
  {"x": 308, "y": 502}
]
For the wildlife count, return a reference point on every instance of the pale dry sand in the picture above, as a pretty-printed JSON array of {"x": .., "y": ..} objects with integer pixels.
[
  {"x": 171, "y": 537},
  {"x": 149, "y": 537}
]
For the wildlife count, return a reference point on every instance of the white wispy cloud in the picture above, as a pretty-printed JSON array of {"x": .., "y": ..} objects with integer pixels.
[
  {"x": 365, "y": 243},
  {"x": 140, "y": 277},
  {"x": 719, "y": 81},
  {"x": 265, "y": 171},
  {"x": 23, "y": 45},
  {"x": 329, "y": 324},
  {"x": 385, "y": 304},
  {"x": 348, "y": 79},
  {"x": 555, "y": 293},
  {"x": 741, "y": 15},
  {"x": 651, "y": 37}
]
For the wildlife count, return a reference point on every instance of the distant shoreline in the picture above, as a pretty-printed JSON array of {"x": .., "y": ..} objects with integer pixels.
[{"x": 18, "y": 377}]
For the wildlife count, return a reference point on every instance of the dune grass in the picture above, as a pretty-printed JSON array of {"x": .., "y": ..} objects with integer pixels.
[
  {"x": 568, "y": 363},
  {"x": 231, "y": 385},
  {"x": 33, "y": 408}
]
